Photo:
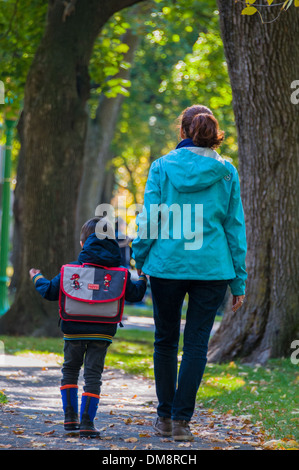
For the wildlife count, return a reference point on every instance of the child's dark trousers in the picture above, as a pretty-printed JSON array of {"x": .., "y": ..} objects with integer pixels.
[{"x": 91, "y": 354}]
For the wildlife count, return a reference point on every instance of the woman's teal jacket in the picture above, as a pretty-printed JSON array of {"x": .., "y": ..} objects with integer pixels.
[{"x": 192, "y": 225}]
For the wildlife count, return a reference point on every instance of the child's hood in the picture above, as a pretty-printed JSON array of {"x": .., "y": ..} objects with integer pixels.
[{"x": 104, "y": 252}]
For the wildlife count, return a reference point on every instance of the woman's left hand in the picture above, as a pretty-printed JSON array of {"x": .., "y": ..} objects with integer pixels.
[{"x": 237, "y": 302}]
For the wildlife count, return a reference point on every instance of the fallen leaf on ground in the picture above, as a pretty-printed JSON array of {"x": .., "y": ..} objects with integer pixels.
[
  {"x": 38, "y": 444},
  {"x": 115, "y": 447},
  {"x": 131, "y": 439},
  {"x": 48, "y": 433},
  {"x": 128, "y": 420}
]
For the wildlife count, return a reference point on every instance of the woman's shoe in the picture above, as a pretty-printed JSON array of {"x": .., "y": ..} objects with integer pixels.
[
  {"x": 181, "y": 431},
  {"x": 163, "y": 426}
]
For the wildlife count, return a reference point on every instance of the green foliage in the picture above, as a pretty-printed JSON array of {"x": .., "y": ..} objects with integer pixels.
[
  {"x": 180, "y": 62},
  {"x": 21, "y": 25},
  {"x": 107, "y": 60},
  {"x": 21, "y": 29}
]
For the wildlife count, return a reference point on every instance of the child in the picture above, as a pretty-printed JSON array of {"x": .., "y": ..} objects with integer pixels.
[{"x": 87, "y": 342}]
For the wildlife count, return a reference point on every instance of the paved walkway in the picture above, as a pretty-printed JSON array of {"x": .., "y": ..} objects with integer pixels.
[
  {"x": 33, "y": 419},
  {"x": 147, "y": 323}
]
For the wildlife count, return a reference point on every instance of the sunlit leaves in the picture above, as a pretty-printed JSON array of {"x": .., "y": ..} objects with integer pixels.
[
  {"x": 21, "y": 28},
  {"x": 148, "y": 124},
  {"x": 116, "y": 86},
  {"x": 157, "y": 37},
  {"x": 251, "y": 10},
  {"x": 108, "y": 58},
  {"x": 287, "y": 4},
  {"x": 180, "y": 62},
  {"x": 176, "y": 38},
  {"x": 202, "y": 76}
]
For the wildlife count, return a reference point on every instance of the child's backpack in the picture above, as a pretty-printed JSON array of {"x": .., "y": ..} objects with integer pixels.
[{"x": 92, "y": 293}]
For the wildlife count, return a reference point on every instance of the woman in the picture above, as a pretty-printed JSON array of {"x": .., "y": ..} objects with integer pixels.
[{"x": 202, "y": 193}]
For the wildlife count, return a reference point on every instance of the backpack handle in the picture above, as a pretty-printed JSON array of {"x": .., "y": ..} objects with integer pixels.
[
  {"x": 93, "y": 264},
  {"x": 113, "y": 268}
]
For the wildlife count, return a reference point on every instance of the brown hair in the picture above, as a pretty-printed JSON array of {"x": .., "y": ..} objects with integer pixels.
[
  {"x": 199, "y": 124},
  {"x": 88, "y": 228}
]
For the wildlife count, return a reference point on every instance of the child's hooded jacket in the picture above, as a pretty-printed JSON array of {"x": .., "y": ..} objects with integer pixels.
[{"x": 104, "y": 252}]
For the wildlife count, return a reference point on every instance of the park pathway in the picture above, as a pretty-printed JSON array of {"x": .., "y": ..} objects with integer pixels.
[{"x": 33, "y": 418}]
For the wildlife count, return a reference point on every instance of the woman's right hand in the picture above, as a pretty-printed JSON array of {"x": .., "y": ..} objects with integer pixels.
[{"x": 237, "y": 302}]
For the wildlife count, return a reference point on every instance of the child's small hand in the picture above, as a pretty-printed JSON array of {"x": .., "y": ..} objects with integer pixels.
[{"x": 33, "y": 272}]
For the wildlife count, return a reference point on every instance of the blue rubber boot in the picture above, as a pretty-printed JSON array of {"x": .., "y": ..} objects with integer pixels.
[
  {"x": 89, "y": 406},
  {"x": 69, "y": 395}
]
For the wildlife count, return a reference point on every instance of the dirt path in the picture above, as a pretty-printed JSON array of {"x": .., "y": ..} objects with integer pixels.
[{"x": 33, "y": 417}]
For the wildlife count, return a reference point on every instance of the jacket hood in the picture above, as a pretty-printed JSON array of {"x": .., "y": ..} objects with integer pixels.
[
  {"x": 105, "y": 252},
  {"x": 192, "y": 169}
]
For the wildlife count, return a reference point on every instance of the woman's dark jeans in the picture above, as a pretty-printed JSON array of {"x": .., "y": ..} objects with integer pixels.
[
  {"x": 176, "y": 396},
  {"x": 90, "y": 352}
]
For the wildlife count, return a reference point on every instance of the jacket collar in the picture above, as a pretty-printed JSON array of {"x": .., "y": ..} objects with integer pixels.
[{"x": 185, "y": 143}]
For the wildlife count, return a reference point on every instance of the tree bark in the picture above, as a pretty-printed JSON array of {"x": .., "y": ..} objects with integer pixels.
[
  {"x": 56, "y": 92},
  {"x": 263, "y": 61}
]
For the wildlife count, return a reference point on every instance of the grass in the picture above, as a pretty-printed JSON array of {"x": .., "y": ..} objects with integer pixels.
[
  {"x": 266, "y": 394},
  {"x": 147, "y": 311},
  {"x": 132, "y": 351},
  {"x": 138, "y": 311}
]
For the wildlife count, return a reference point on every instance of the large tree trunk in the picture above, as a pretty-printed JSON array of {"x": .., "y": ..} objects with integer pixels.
[
  {"x": 54, "y": 129},
  {"x": 263, "y": 61},
  {"x": 97, "y": 153}
]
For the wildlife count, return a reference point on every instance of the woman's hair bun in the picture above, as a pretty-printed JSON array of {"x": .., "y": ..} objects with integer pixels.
[
  {"x": 204, "y": 131},
  {"x": 199, "y": 124}
]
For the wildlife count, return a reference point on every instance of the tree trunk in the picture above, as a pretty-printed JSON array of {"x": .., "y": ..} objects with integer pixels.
[
  {"x": 263, "y": 61},
  {"x": 56, "y": 92},
  {"x": 98, "y": 141}
]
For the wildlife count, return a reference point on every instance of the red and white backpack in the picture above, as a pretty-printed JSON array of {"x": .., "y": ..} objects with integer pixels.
[{"x": 92, "y": 293}]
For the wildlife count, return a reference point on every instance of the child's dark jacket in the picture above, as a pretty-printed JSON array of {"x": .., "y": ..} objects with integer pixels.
[{"x": 102, "y": 252}]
